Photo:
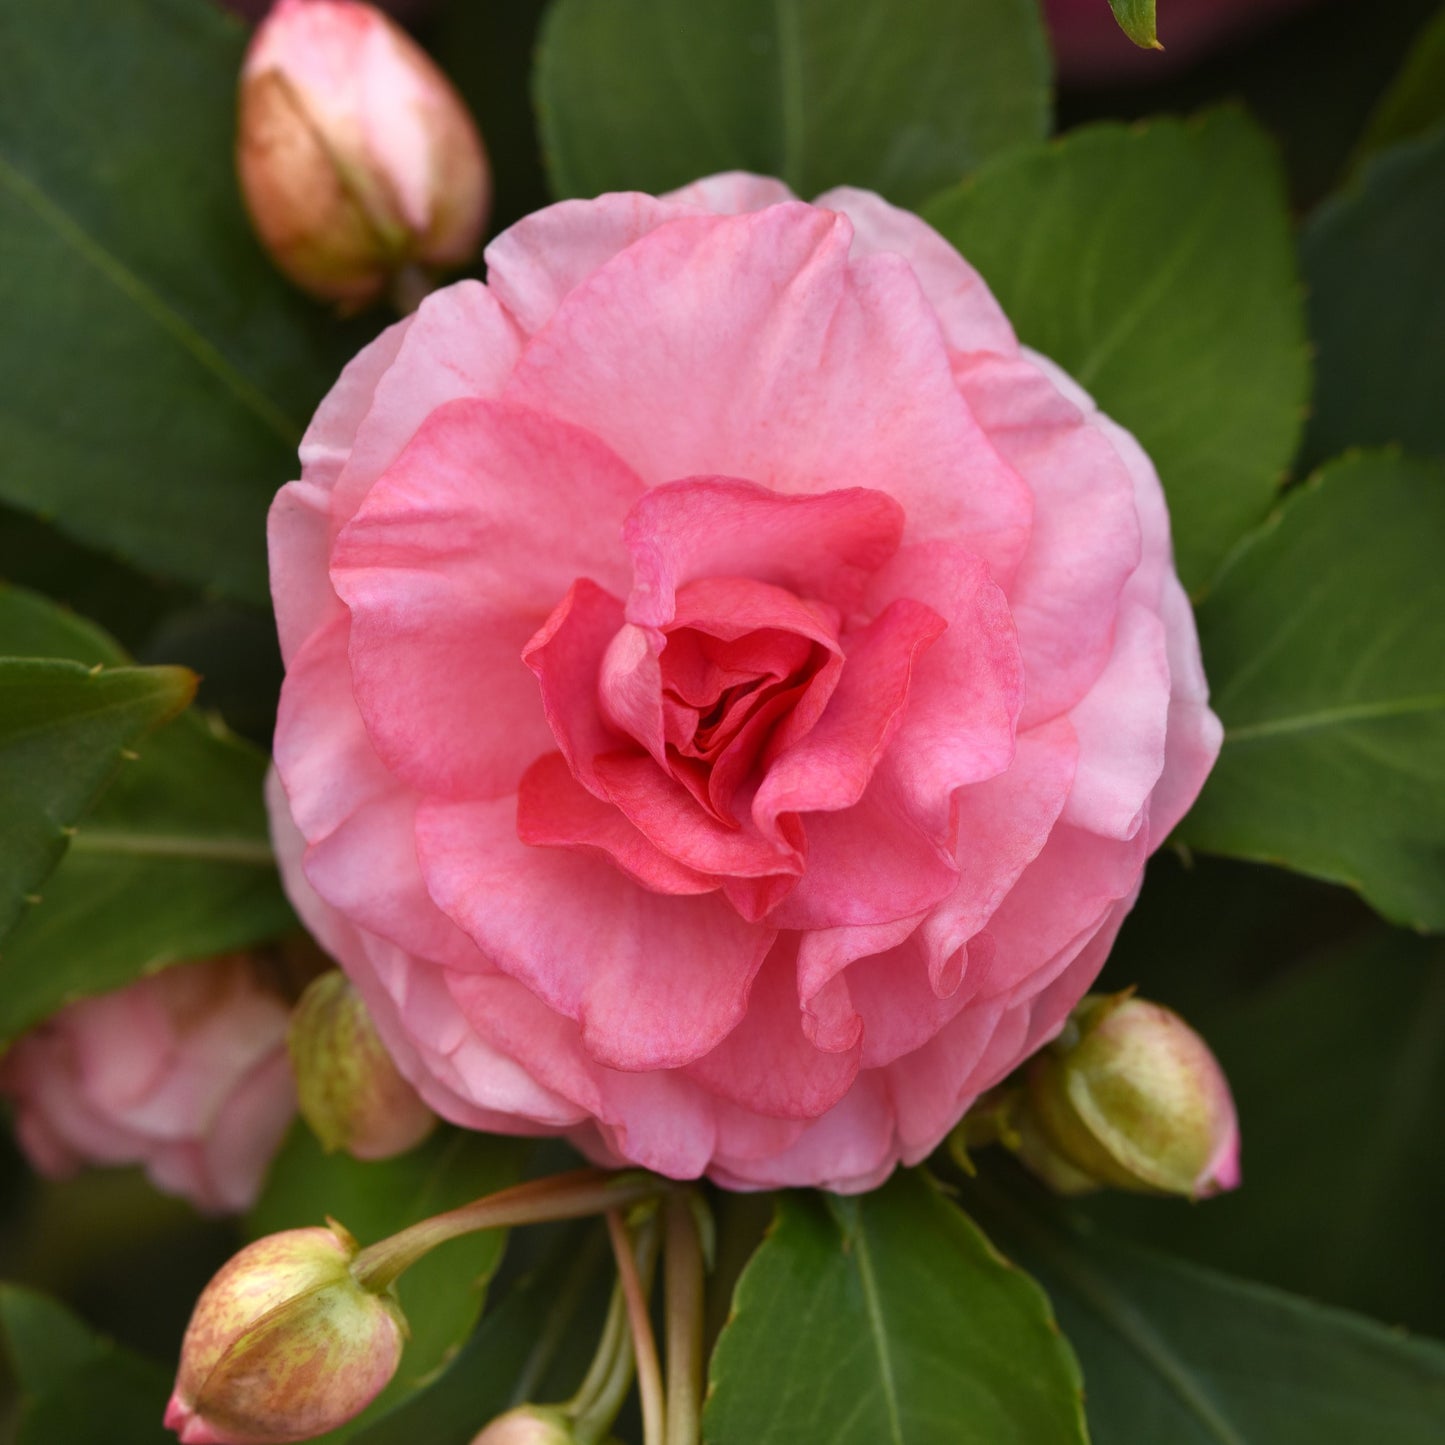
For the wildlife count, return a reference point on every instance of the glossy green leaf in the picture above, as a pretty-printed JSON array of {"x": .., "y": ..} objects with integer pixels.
[
  {"x": 1371, "y": 259},
  {"x": 1415, "y": 100},
  {"x": 651, "y": 94},
  {"x": 172, "y": 863},
  {"x": 888, "y": 1317},
  {"x": 64, "y": 731},
  {"x": 443, "y": 1294},
  {"x": 1153, "y": 264},
  {"x": 77, "y": 1387},
  {"x": 1136, "y": 20},
  {"x": 157, "y": 372},
  {"x": 1324, "y": 641},
  {"x": 1338, "y": 1070},
  {"x": 1177, "y": 1355}
]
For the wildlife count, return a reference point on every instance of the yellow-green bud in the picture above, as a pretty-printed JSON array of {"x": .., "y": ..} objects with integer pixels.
[
  {"x": 284, "y": 1344},
  {"x": 1128, "y": 1096},
  {"x": 348, "y": 1089}
]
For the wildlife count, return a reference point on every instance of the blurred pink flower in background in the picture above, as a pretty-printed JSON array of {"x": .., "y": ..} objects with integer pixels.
[
  {"x": 185, "y": 1073},
  {"x": 732, "y": 686},
  {"x": 1090, "y": 47}
]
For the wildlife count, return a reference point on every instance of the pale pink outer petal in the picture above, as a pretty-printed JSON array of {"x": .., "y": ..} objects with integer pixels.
[
  {"x": 749, "y": 347},
  {"x": 453, "y": 561},
  {"x": 970, "y": 317},
  {"x": 1085, "y": 545},
  {"x": 730, "y": 193}
]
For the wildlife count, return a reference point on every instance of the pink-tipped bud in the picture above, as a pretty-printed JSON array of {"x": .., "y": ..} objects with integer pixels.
[
  {"x": 357, "y": 159},
  {"x": 1128, "y": 1096},
  {"x": 284, "y": 1344},
  {"x": 349, "y": 1090},
  {"x": 528, "y": 1425}
]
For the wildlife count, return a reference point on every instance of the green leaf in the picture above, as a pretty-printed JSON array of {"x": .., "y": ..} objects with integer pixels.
[
  {"x": 72, "y": 1379},
  {"x": 443, "y": 1294},
  {"x": 64, "y": 730},
  {"x": 486, "y": 51},
  {"x": 1136, "y": 20},
  {"x": 1154, "y": 266},
  {"x": 888, "y": 1317},
  {"x": 45, "y": 1342},
  {"x": 157, "y": 372},
  {"x": 1176, "y": 1355},
  {"x": 1371, "y": 259},
  {"x": 172, "y": 863},
  {"x": 1324, "y": 641},
  {"x": 651, "y": 94},
  {"x": 1338, "y": 1070},
  {"x": 1415, "y": 100}
]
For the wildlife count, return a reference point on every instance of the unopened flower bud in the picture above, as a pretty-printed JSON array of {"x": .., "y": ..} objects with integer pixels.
[
  {"x": 1128, "y": 1096},
  {"x": 349, "y": 1091},
  {"x": 358, "y": 160},
  {"x": 284, "y": 1344},
  {"x": 528, "y": 1425}
]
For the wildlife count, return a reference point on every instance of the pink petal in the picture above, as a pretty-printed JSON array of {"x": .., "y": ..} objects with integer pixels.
[
  {"x": 1195, "y": 733},
  {"x": 450, "y": 566},
  {"x": 730, "y": 193},
  {"x": 568, "y": 654},
  {"x": 589, "y": 945},
  {"x": 554, "y": 810},
  {"x": 460, "y": 343},
  {"x": 535, "y": 264},
  {"x": 849, "y": 1150},
  {"x": 323, "y": 755},
  {"x": 971, "y": 319},
  {"x": 828, "y": 769},
  {"x": 1003, "y": 825},
  {"x": 749, "y": 347},
  {"x": 869, "y": 864},
  {"x": 1120, "y": 724},
  {"x": 1061, "y": 896},
  {"x": 823, "y": 546},
  {"x": 767, "y": 1063},
  {"x": 668, "y": 815},
  {"x": 1086, "y": 538}
]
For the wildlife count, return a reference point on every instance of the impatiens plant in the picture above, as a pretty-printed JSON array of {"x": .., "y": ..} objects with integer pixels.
[{"x": 819, "y": 622}]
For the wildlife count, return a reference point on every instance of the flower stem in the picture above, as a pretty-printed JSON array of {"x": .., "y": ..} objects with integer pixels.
[
  {"x": 684, "y": 1293},
  {"x": 644, "y": 1346},
  {"x": 599, "y": 1397},
  {"x": 562, "y": 1196}
]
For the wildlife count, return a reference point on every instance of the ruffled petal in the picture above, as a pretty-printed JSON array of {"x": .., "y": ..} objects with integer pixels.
[
  {"x": 450, "y": 566},
  {"x": 749, "y": 347},
  {"x": 596, "y": 950}
]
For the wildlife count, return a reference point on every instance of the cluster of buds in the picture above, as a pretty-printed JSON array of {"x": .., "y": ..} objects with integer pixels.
[
  {"x": 359, "y": 163},
  {"x": 1127, "y": 1097}
]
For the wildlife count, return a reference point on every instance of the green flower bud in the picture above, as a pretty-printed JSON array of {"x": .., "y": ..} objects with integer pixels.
[
  {"x": 1128, "y": 1096},
  {"x": 348, "y": 1089},
  {"x": 284, "y": 1344}
]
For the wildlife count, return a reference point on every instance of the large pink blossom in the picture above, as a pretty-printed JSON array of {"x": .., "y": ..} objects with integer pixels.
[
  {"x": 185, "y": 1072},
  {"x": 732, "y": 688}
]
